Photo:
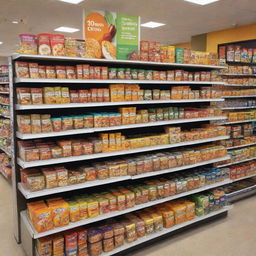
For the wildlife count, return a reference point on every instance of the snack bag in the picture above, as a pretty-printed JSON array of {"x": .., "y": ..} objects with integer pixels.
[
  {"x": 44, "y": 47},
  {"x": 28, "y": 44},
  {"x": 60, "y": 212},
  {"x": 57, "y": 44}
]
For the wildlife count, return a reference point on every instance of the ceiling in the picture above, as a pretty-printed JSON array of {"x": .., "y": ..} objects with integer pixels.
[{"x": 183, "y": 19}]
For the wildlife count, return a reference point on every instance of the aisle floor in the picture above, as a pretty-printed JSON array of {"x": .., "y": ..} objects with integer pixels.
[{"x": 231, "y": 236}]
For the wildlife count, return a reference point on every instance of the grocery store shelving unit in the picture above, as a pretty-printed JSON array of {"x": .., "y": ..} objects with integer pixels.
[
  {"x": 24, "y": 231},
  {"x": 2, "y": 149},
  {"x": 247, "y": 44},
  {"x": 239, "y": 75},
  {"x": 237, "y": 162}
]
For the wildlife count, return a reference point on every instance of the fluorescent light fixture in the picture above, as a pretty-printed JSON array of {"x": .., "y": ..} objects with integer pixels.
[
  {"x": 1, "y": 42},
  {"x": 66, "y": 29},
  {"x": 202, "y": 2},
  {"x": 152, "y": 24},
  {"x": 15, "y": 22},
  {"x": 72, "y": 1}
]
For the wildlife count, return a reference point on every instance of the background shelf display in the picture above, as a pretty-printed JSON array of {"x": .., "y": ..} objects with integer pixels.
[
  {"x": 239, "y": 96},
  {"x": 234, "y": 108},
  {"x": 240, "y": 75},
  {"x": 242, "y": 121},
  {"x": 242, "y": 146},
  {"x": 245, "y": 177},
  {"x": 237, "y": 162},
  {"x": 240, "y": 85}
]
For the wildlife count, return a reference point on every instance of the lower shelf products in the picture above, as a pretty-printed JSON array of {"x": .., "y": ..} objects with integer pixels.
[
  {"x": 57, "y": 212},
  {"x": 96, "y": 239}
]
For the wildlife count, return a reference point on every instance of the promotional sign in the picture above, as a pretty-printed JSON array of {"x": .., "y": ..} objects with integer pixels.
[
  {"x": 100, "y": 34},
  {"x": 128, "y": 33},
  {"x": 109, "y": 35}
]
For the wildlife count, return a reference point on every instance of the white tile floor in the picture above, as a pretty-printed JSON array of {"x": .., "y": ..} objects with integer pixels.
[{"x": 231, "y": 236}]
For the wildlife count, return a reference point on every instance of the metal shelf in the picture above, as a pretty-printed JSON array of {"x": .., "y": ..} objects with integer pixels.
[
  {"x": 128, "y": 126},
  {"x": 241, "y": 191},
  {"x": 240, "y": 85},
  {"x": 2, "y": 83},
  {"x": 241, "y": 146},
  {"x": 7, "y": 93},
  {"x": 238, "y": 162},
  {"x": 8, "y": 117},
  {"x": 4, "y": 104},
  {"x": 28, "y": 194},
  {"x": 237, "y": 96},
  {"x": 5, "y": 151},
  {"x": 234, "y": 108},
  {"x": 34, "y": 234},
  {"x": 112, "y": 81},
  {"x": 24, "y": 164},
  {"x": 104, "y": 104},
  {"x": 241, "y": 75},
  {"x": 238, "y": 122},
  {"x": 243, "y": 178},
  {"x": 180, "y": 168},
  {"x": 126, "y": 62}
]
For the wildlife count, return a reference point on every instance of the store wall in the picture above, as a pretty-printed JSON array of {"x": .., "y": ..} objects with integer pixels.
[
  {"x": 183, "y": 45},
  {"x": 3, "y": 60},
  {"x": 198, "y": 42},
  {"x": 241, "y": 33}
]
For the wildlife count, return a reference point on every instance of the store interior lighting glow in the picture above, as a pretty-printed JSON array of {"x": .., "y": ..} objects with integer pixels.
[
  {"x": 202, "y": 2},
  {"x": 1, "y": 42},
  {"x": 15, "y": 22},
  {"x": 72, "y": 1},
  {"x": 152, "y": 24},
  {"x": 66, "y": 29}
]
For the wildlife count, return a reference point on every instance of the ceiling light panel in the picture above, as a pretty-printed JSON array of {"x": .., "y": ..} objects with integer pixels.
[
  {"x": 152, "y": 24},
  {"x": 201, "y": 2},
  {"x": 1, "y": 42},
  {"x": 72, "y": 1},
  {"x": 66, "y": 29},
  {"x": 15, "y": 22}
]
